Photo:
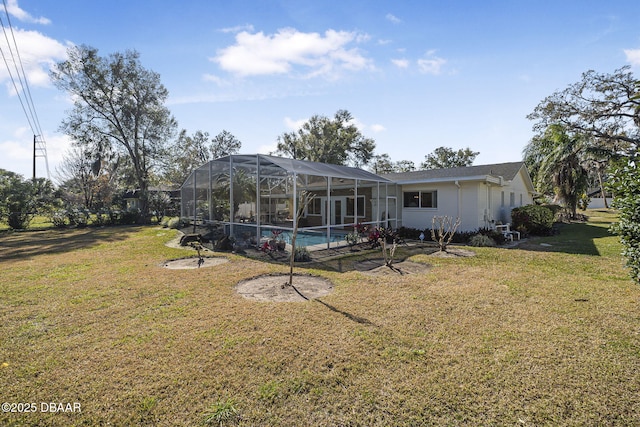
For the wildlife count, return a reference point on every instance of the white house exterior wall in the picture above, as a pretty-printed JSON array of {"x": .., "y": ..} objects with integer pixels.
[
  {"x": 516, "y": 194},
  {"x": 478, "y": 204},
  {"x": 463, "y": 202}
]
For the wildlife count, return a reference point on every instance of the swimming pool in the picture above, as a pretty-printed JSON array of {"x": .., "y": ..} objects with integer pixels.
[{"x": 308, "y": 237}]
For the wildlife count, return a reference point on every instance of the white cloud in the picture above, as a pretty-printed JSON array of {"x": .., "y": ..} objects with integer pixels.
[
  {"x": 268, "y": 148},
  {"x": 289, "y": 50},
  {"x": 393, "y": 19},
  {"x": 431, "y": 64},
  {"x": 215, "y": 79},
  {"x": 14, "y": 150},
  {"x": 294, "y": 124},
  {"x": 401, "y": 63},
  {"x": 237, "y": 28},
  {"x": 633, "y": 56},
  {"x": 14, "y": 10},
  {"x": 378, "y": 128},
  {"x": 37, "y": 54}
]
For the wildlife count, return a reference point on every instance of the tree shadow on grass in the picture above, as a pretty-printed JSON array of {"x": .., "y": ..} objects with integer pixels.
[
  {"x": 30, "y": 244},
  {"x": 573, "y": 238},
  {"x": 349, "y": 316}
]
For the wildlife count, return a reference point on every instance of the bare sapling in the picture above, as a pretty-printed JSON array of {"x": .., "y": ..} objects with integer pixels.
[
  {"x": 389, "y": 240},
  {"x": 199, "y": 248},
  {"x": 443, "y": 228},
  {"x": 303, "y": 201}
]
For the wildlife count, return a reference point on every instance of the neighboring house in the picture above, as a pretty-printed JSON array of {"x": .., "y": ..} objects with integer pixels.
[{"x": 480, "y": 195}]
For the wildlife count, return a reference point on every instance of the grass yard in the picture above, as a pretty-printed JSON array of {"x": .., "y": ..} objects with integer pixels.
[{"x": 546, "y": 334}]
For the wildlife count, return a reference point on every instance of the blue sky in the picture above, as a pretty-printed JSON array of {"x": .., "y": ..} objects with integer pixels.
[{"x": 416, "y": 75}]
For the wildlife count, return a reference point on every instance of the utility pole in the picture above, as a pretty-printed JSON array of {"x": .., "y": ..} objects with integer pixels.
[
  {"x": 34, "y": 157},
  {"x": 41, "y": 148}
]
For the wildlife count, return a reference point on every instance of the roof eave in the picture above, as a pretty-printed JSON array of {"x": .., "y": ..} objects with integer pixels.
[{"x": 478, "y": 178}]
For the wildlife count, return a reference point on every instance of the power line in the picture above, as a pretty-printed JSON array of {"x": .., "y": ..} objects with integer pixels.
[{"x": 40, "y": 149}]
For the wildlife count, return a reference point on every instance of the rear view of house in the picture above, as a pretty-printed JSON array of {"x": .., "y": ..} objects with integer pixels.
[{"x": 479, "y": 195}]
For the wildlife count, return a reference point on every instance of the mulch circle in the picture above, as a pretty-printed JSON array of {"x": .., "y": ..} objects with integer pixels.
[{"x": 275, "y": 288}]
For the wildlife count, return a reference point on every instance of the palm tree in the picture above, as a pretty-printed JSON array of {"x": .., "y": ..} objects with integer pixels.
[{"x": 562, "y": 165}]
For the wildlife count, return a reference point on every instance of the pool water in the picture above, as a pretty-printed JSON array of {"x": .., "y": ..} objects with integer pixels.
[{"x": 308, "y": 238}]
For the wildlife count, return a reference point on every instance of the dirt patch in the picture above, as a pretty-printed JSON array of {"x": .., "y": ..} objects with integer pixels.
[
  {"x": 190, "y": 263},
  {"x": 453, "y": 253},
  {"x": 377, "y": 266},
  {"x": 273, "y": 288}
]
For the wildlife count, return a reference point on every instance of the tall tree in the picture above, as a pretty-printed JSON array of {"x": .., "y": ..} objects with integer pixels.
[
  {"x": 382, "y": 164},
  {"x": 21, "y": 199},
  {"x": 561, "y": 166},
  {"x": 445, "y": 157},
  {"x": 321, "y": 139},
  {"x": 224, "y": 144},
  {"x": 118, "y": 107},
  {"x": 186, "y": 154},
  {"x": 83, "y": 181},
  {"x": 404, "y": 166},
  {"x": 189, "y": 152},
  {"x": 606, "y": 109}
]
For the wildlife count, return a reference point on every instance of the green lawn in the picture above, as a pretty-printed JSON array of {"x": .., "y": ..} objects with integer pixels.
[{"x": 546, "y": 334}]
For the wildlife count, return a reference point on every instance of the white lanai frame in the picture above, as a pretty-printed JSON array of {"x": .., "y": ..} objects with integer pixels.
[{"x": 250, "y": 195}]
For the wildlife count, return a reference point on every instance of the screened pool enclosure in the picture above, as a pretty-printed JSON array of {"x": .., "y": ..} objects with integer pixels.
[{"x": 253, "y": 197}]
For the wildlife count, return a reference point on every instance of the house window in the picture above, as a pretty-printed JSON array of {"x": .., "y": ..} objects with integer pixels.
[
  {"x": 411, "y": 199},
  {"x": 422, "y": 199},
  {"x": 315, "y": 207},
  {"x": 429, "y": 199},
  {"x": 350, "y": 206},
  {"x": 512, "y": 199},
  {"x": 502, "y": 199}
]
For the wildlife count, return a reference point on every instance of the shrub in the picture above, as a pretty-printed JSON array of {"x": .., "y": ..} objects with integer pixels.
[
  {"x": 352, "y": 238},
  {"x": 555, "y": 209},
  {"x": 535, "y": 219},
  {"x": 130, "y": 216},
  {"x": 100, "y": 219},
  {"x": 58, "y": 218},
  {"x": 482, "y": 240},
  {"x": 78, "y": 217},
  {"x": 174, "y": 223},
  {"x": 494, "y": 235},
  {"x": 302, "y": 254},
  {"x": 165, "y": 222},
  {"x": 625, "y": 185}
]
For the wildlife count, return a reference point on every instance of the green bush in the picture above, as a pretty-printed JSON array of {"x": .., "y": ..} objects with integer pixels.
[
  {"x": 130, "y": 216},
  {"x": 78, "y": 217},
  {"x": 301, "y": 254},
  {"x": 482, "y": 240},
  {"x": 555, "y": 209},
  {"x": 100, "y": 219},
  {"x": 58, "y": 218},
  {"x": 174, "y": 223},
  {"x": 535, "y": 219},
  {"x": 625, "y": 185}
]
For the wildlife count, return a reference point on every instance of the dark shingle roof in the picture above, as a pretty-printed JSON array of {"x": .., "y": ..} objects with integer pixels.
[{"x": 506, "y": 170}]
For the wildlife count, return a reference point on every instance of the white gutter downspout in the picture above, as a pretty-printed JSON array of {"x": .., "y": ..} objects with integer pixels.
[{"x": 459, "y": 196}]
